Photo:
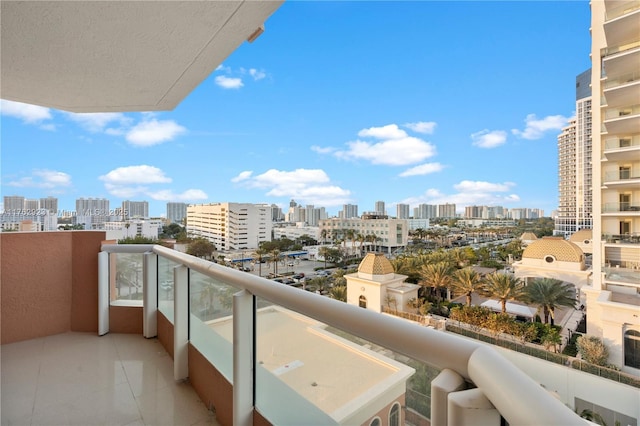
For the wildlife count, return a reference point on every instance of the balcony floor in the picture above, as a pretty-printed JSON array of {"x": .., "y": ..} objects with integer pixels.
[{"x": 83, "y": 379}]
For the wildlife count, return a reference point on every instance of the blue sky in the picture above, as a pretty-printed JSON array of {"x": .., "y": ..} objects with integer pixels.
[{"x": 337, "y": 102}]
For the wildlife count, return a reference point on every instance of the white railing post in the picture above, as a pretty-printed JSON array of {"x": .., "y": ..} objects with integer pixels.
[
  {"x": 180, "y": 322},
  {"x": 150, "y": 295},
  {"x": 243, "y": 358},
  {"x": 103, "y": 293}
]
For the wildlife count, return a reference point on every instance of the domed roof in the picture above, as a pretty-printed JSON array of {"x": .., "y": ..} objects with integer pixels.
[
  {"x": 528, "y": 236},
  {"x": 375, "y": 264},
  {"x": 561, "y": 249},
  {"x": 581, "y": 236}
]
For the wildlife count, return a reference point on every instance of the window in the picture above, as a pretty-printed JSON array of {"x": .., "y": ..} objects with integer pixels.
[
  {"x": 375, "y": 422},
  {"x": 632, "y": 348},
  {"x": 394, "y": 415},
  {"x": 549, "y": 259},
  {"x": 363, "y": 302}
]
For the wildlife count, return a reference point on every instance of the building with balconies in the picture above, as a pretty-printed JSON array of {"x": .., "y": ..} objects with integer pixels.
[{"x": 613, "y": 299}]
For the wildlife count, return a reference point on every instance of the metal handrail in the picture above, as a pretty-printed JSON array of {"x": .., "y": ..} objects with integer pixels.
[{"x": 498, "y": 378}]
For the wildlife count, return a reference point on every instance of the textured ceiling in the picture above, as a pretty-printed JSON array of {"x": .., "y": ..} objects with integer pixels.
[{"x": 102, "y": 56}]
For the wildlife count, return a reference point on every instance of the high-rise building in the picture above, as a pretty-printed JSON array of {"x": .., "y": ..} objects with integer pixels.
[
  {"x": 31, "y": 205},
  {"x": 425, "y": 211},
  {"x": 13, "y": 203},
  {"x": 135, "y": 209},
  {"x": 575, "y": 202},
  {"x": 349, "y": 211},
  {"x": 176, "y": 212},
  {"x": 49, "y": 203},
  {"x": 380, "y": 208},
  {"x": 473, "y": 212},
  {"x": 402, "y": 211},
  {"x": 92, "y": 212},
  {"x": 230, "y": 226},
  {"x": 276, "y": 213},
  {"x": 613, "y": 298},
  {"x": 447, "y": 210}
]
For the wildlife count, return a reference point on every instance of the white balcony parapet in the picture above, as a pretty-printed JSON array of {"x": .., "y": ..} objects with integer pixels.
[{"x": 516, "y": 396}]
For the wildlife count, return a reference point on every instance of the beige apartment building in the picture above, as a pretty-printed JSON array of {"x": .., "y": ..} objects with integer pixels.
[
  {"x": 385, "y": 235},
  {"x": 613, "y": 299}
]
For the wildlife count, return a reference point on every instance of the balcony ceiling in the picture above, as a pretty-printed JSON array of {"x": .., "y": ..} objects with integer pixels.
[
  {"x": 623, "y": 29},
  {"x": 623, "y": 95},
  {"x": 111, "y": 56},
  {"x": 625, "y": 125},
  {"x": 622, "y": 63}
]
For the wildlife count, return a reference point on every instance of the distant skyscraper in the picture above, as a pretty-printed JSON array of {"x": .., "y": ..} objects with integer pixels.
[
  {"x": 402, "y": 211},
  {"x": 176, "y": 212},
  {"x": 447, "y": 210},
  {"x": 349, "y": 211},
  {"x": 380, "y": 208},
  {"x": 575, "y": 170},
  {"x": 49, "y": 203},
  {"x": 135, "y": 209},
  {"x": 425, "y": 211},
  {"x": 31, "y": 204},
  {"x": 276, "y": 213},
  {"x": 92, "y": 212},
  {"x": 13, "y": 203}
]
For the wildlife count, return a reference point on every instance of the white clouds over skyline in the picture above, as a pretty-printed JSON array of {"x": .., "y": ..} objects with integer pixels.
[
  {"x": 425, "y": 127},
  {"x": 229, "y": 82},
  {"x": 43, "y": 178},
  {"x": 423, "y": 169},
  {"x": 536, "y": 128},
  {"x": 141, "y": 174},
  {"x": 308, "y": 186},
  {"x": 153, "y": 132},
  {"x": 489, "y": 139}
]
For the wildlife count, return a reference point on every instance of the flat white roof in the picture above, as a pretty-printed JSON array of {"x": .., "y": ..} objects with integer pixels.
[{"x": 300, "y": 351}]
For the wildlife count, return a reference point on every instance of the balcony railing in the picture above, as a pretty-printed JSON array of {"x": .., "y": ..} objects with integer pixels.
[
  {"x": 625, "y": 207},
  {"x": 623, "y": 275},
  {"x": 625, "y": 8},
  {"x": 613, "y": 113},
  {"x": 621, "y": 175},
  {"x": 624, "y": 79},
  {"x": 229, "y": 315},
  {"x": 611, "y": 144},
  {"x": 633, "y": 238}
]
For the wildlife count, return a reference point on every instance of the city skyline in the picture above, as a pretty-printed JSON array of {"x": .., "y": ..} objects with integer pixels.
[{"x": 467, "y": 111}]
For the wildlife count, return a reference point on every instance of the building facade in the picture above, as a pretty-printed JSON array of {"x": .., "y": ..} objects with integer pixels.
[
  {"x": 613, "y": 299},
  {"x": 384, "y": 234},
  {"x": 403, "y": 211},
  {"x": 230, "y": 226},
  {"x": 425, "y": 211},
  {"x": 135, "y": 209},
  {"x": 176, "y": 212},
  {"x": 447, "y": 210},
  {"x": 575, "y": 171}
]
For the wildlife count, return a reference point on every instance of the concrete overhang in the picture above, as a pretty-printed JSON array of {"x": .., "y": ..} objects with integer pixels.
[{"x": 118, "y": 56}]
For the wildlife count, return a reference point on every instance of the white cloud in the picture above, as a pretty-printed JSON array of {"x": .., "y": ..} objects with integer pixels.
[
  {"x": 96, "y": 122},
  {"x": 390, "y": 131},
  {"x": 228, "y": 82},
  {"x": 479, "y": 186},
  {"x": 489, "y": 139},
  {"x": 29, "y": 114},
  {"x": 153, "y": 132},
  {"x": 394, "y": 152},
  {"x": 423, "y": 169},
  {"x": 188, "y": 195},
  {"x": 307, "y": 186},
  {"x": 142, "y": 174},
  {"x": 536, "y": 128},
  {"x": 242, "y": 176},
  {"x": 321, "y": 150},
  {"x": 48, "y": 179},
  {"x": 257, "y": 74},
  {"x": 425, "y": 127}
]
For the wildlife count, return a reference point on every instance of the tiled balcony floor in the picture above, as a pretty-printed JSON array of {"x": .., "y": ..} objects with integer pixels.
[{"x": 83, "y": 379}]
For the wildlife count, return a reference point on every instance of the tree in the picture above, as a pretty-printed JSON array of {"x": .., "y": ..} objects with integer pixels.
[
  {"x": 436, "y": 276},
  {"x": 259, "y": 254},
  {"x": 201, "y": 247},
  {"x": 275, "y": 257},
  {"x": 338, "y": 292},
  {"x": 592, "y": 350},
  {"x": 467, "y": 281},
  {"x": 548, "y": 294},
  {"x": 503, "y": 287}
]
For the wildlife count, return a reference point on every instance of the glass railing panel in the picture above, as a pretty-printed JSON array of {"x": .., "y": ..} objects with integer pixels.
[
  {"x": 613, "y": 113},
  {"x": 165, "y": 287},
  {"x": 623, "y": 9},
  {"x": 620, "y": 207},
  {"x": 211, "y": 321},
  {"x": 623, "y": 142},
  {"x": 310, "y": 373},
  {"x": 126, "y": 283},
  {"x": 624, "y": 79}
]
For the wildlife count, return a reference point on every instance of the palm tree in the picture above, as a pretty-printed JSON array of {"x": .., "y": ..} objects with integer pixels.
[
  {"x": 361, "y": 239},
  {"x": 323, "y": 235},
  {"x": 259, "y": 254},
  {"x": 549, "y": 294},
  {"x": 338, "y": 292},
  {"x": 350, "y": 234},
  {"x": 275, "y": 258},
  {"x": 436, "y": 276},
  {"x": 467, "y": 281},
  {"x": 504, "y": 287}
]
